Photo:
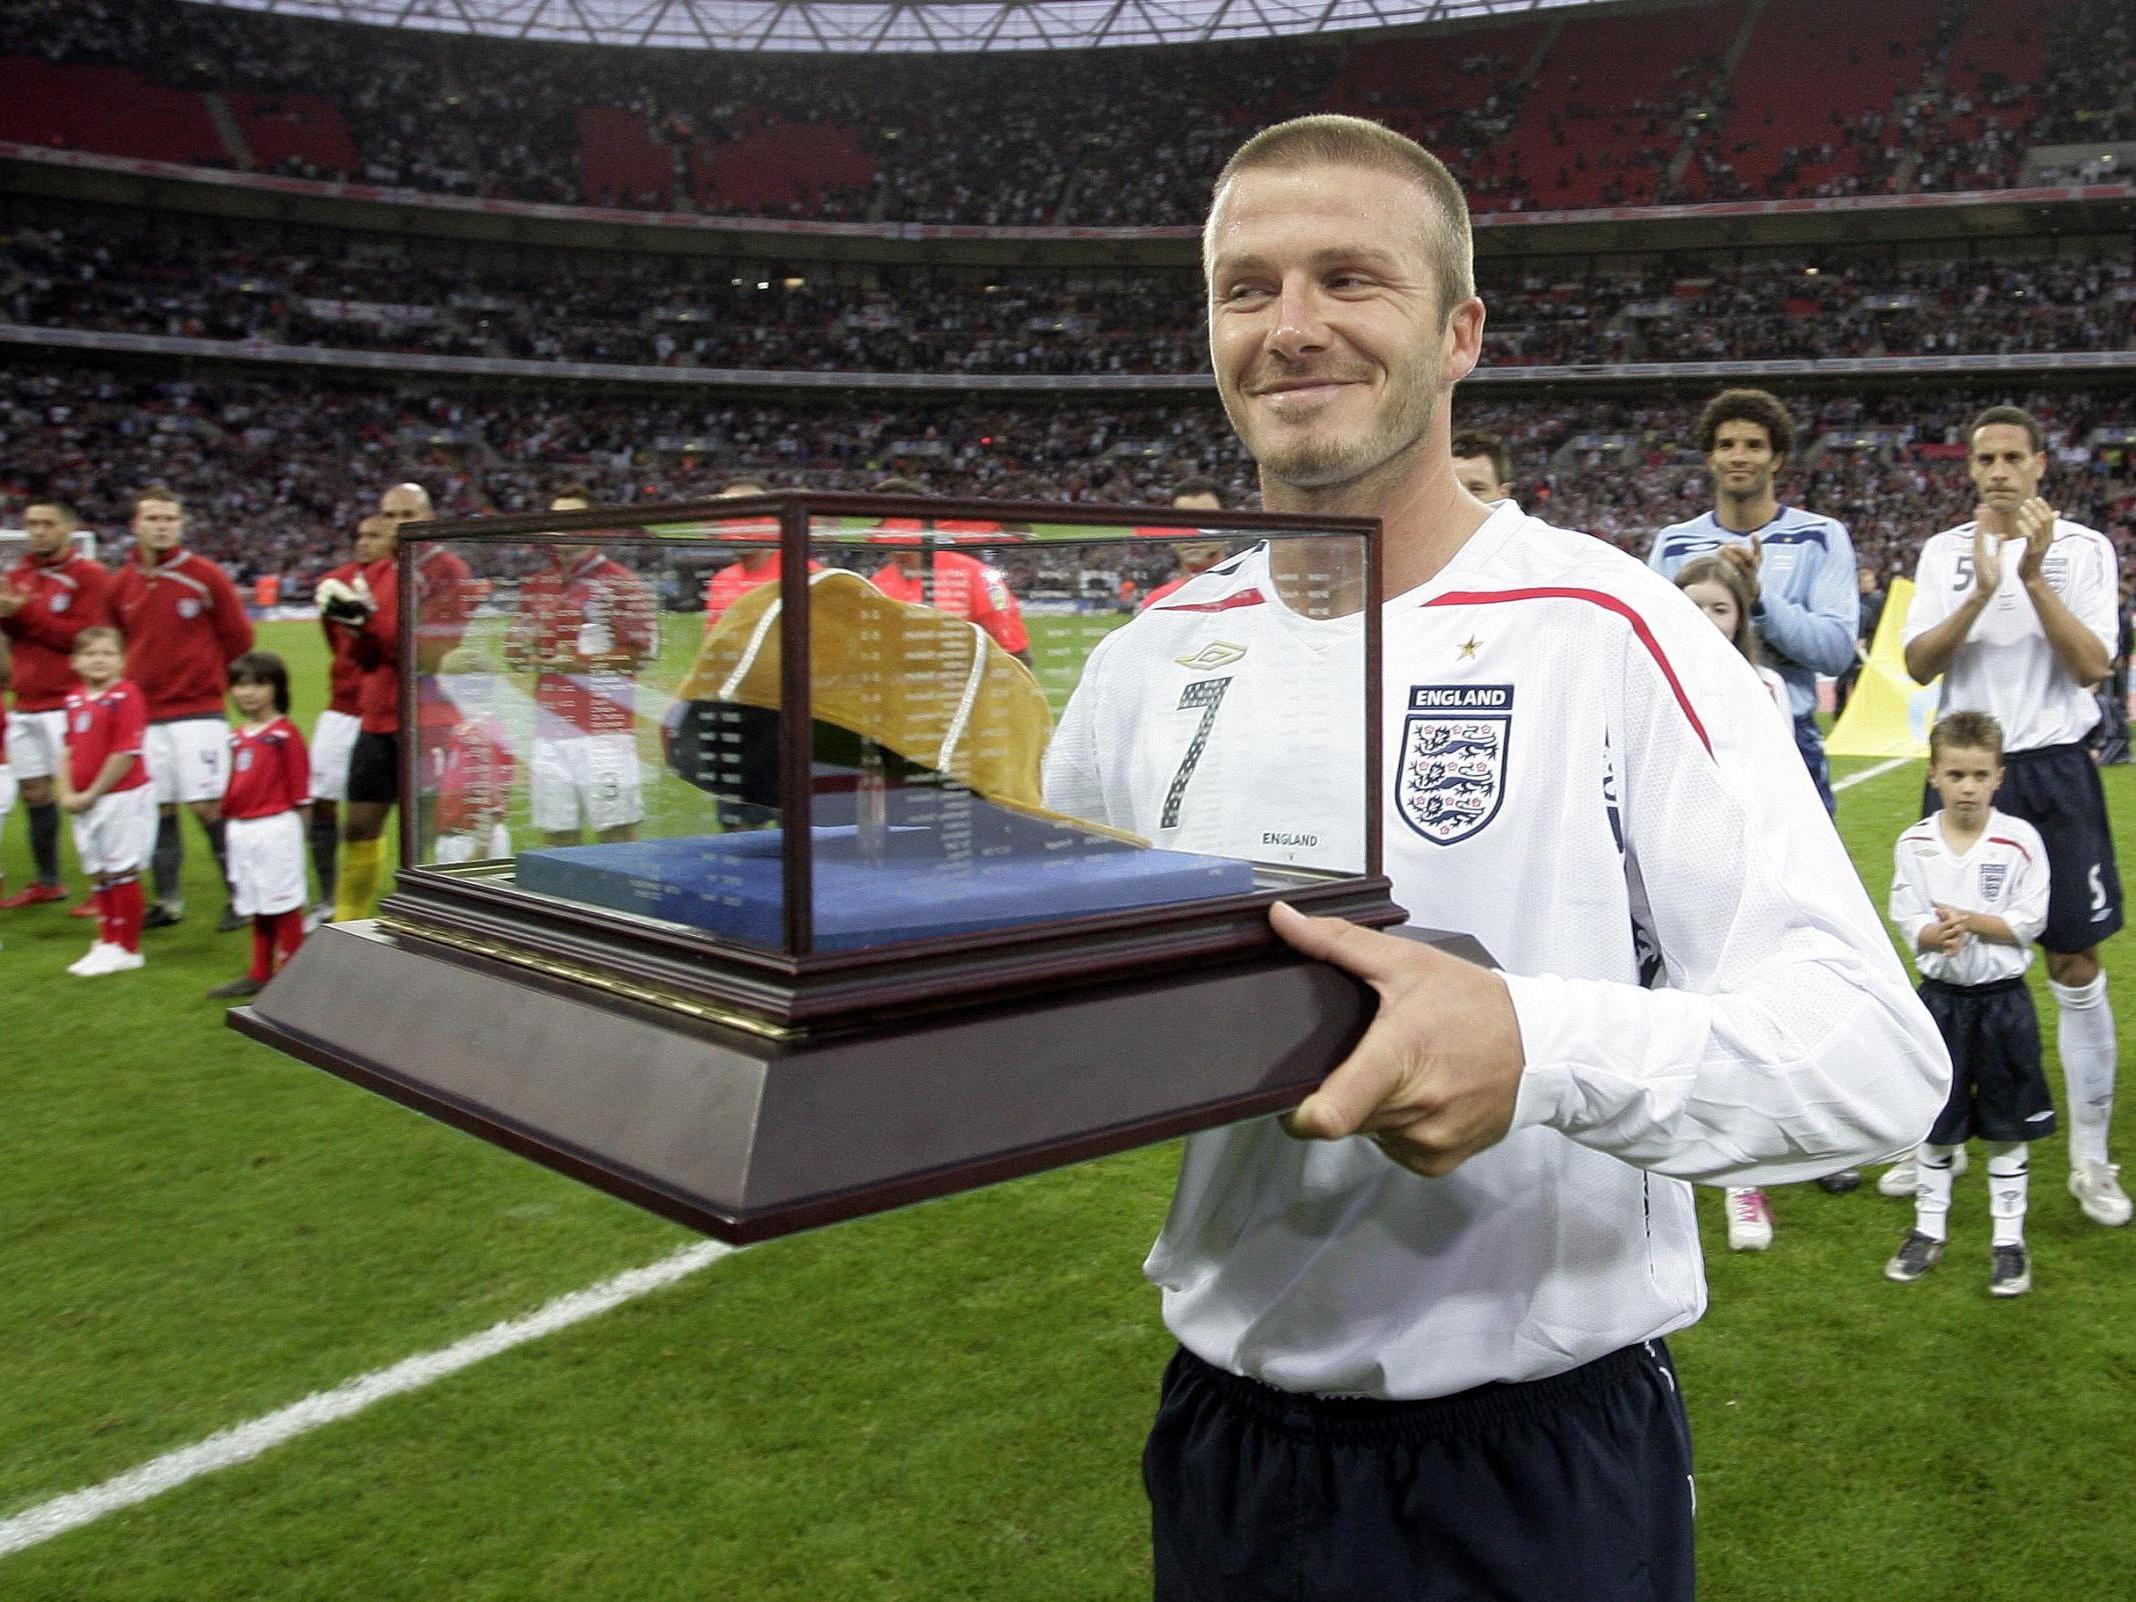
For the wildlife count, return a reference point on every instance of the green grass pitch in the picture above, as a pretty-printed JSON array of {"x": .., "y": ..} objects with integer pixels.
[{"x": 943, "y": 1403}]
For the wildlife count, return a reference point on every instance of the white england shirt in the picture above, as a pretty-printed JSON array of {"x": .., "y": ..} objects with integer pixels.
[
  {"x": 2004, "y": 873},
  {"x": 1620, "y": 801},
  {"x": 1229, "y": 724},
  {"x": 2005, "y": 667}
]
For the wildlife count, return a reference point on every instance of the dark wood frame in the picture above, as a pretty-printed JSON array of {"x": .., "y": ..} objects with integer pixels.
[{"x": 802, "y": 989}]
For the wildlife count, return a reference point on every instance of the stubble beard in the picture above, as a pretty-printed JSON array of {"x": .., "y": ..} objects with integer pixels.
[{"x": 1326, "y": 463}]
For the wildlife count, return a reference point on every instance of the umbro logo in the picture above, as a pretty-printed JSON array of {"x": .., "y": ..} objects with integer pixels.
[{"x": 1216, "y": 654}]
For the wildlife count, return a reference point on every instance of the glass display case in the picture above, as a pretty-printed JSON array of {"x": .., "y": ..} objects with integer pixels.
[{"x": 808, "y": 775}]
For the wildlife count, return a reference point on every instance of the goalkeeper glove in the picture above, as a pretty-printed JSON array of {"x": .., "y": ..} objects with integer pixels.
[{"x": 344, "y": 601}]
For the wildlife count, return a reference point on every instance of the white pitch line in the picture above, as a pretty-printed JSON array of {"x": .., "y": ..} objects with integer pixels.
[
  {"x": 1863, "y": 777},
  {"x": 243, "y": 1442}
]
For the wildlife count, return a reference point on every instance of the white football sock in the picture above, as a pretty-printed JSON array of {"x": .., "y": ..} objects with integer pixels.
[
  {"x": 2009, "y": 1171},
  {"x": 1932, "y": 1190},
  {"x": 2085, "y": 1038}
]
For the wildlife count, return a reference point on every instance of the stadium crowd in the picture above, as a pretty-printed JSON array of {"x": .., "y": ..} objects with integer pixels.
[
  {"x": 1107, "y": 137},
  {"x": 593, "y": 307},
  {"x": 276, "y": 472}
]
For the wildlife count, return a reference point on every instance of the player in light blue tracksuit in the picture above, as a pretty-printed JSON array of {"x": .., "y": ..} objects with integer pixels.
[{"x": 1803, "y": 562}]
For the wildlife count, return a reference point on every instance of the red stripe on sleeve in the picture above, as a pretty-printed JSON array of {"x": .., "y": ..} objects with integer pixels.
[
  {"x": 1998, "y": 839},
  {"x": 1608, "y": 603}
]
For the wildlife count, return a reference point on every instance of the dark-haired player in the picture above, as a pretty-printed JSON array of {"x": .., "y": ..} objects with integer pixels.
[
  {"x": 184, "y": 626},
  {"x": 2016, "y": 610},
  {"x": 333, "y": 739},
  {"x": 1196, "y": 557},
  {"x": 1808, "y": 601},
  {"x": 46, "y": 600},
  {"x": 1482, "y": 465}
]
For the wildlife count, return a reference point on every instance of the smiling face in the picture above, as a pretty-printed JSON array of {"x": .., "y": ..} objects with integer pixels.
[
  {"x": 1742, "y": 460},
  {"x": 1325, "y": 325},
  {"x": 2006, "y": 470}
]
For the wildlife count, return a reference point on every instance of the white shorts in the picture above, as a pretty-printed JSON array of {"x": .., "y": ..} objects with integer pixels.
[
  {"x": 7, "y": 789},
  {"x": 188, "y": 760},
  {"x": 333, "y": 739},
  {"x": 116, "y": 835},
  {"x": 267, "y": 865},
  {"x": 36, "y": 743},
  {"x": 598, "y": 771}
]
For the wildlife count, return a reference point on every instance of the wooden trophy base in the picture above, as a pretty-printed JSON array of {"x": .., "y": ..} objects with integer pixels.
[{"x": 745, "y": 1135}]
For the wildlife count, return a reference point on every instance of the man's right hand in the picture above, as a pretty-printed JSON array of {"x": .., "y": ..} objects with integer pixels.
[
  {"x": 12, "y": 600},
  {"x": 343, "y": 602},
  {"x": 1987, "y": 556}
]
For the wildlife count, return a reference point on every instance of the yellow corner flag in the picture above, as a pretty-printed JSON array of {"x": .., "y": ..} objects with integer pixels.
[{"x": 1888, "y": 715}]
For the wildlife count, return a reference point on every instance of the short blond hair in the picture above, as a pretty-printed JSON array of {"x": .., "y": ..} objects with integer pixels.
[{"x": 1328, "y": 140}]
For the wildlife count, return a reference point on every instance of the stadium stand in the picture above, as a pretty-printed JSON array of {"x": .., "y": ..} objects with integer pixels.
[
  {"x": 278, "y": 471},
  {"x": 1689, "y": 103},
  {"x": 87, "y": 269}
]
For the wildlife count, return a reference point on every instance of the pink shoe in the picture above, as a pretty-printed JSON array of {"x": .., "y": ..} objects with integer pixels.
[{"x": 1750, "y": 1220}]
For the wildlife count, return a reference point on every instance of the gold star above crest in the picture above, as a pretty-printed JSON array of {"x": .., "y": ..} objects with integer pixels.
[{"x": 1469, "y": 647}]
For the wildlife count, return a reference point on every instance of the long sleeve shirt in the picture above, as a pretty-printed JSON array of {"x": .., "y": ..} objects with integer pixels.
[
  {"x": 1809, "y": 596},
  {"x": 184, "y": 625},
  {"x": 1581, "y": 773},
  {"x": 63, "y": 596}
]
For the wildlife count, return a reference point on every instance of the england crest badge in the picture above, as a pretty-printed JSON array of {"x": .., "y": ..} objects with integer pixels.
[{"x": 1451, "y": 777}]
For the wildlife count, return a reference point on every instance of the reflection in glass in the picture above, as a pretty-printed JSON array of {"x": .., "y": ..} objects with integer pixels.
[{"x": 1006, "y": 724}]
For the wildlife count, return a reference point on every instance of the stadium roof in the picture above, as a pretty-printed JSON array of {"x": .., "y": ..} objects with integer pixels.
[{"x": 868, "y": 26}]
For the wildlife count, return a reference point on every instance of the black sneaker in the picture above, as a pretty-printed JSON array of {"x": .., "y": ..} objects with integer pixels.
[
  {"x": 1916, "y": 1255},
  {"x": 237, "y": 989},
  {"x": 1840, "y": 1183},
  {"x": 2012, "y": 1275},
  {"x": 161, "y": 916},
  {"x": 231, "y": 920}
]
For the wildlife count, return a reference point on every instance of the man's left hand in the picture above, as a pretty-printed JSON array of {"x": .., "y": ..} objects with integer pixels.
[
  {"x": 1434, "y": 1080},
  {"x": 2035, "y": 526}
]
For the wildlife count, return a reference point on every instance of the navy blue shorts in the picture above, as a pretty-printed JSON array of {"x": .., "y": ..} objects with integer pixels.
[
  {"x": 2056, "y": 789},
  {"x": 1998, "y": 1088},
  {"x": 1577, "y": 1486}
]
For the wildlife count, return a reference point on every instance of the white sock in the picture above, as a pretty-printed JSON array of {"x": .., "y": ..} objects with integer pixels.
[
  {"x": 2085, "y": 1038},
  {"x": 1932, "y": 1190},
  {"x": 2009, "y": 1171}
]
